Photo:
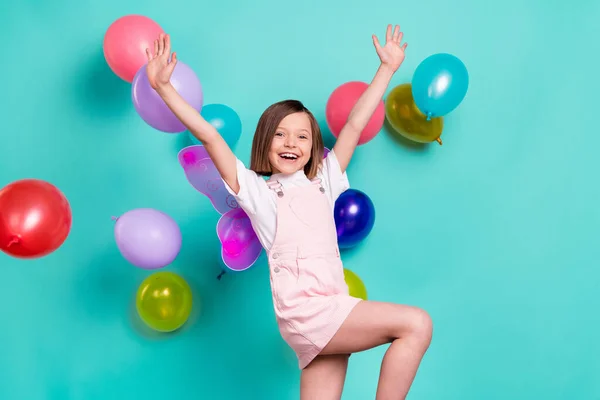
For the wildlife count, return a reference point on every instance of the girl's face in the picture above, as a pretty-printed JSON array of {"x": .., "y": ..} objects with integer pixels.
[{"x": 292, "y": 144}]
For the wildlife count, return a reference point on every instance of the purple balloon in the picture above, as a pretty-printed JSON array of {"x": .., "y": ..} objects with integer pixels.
[
  {"x": 202, "y": 174},
  {"x": 240, "y": 247},
  {"x": 148, "y": 238},
  {"x": 151, "y": 107},
  {"x": 354, "y": 216},
  {"x": 325, "y": 152}
]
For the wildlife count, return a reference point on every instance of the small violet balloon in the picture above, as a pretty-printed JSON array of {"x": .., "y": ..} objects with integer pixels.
[
  {"x": 151, "y": 107},
  {"x": 439, "y": 84},
  {"x": 147, "y": 238},
  {"x": 354, "y": 215},
  {"x": 240, "y": 245},
  {"x": 225, "y": 120}
]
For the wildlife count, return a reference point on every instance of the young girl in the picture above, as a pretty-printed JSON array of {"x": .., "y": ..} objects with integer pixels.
[{"x": 292, "y": 214}]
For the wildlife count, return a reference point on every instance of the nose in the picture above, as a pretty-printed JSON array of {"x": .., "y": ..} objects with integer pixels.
[{"x": 290, "y": 141}]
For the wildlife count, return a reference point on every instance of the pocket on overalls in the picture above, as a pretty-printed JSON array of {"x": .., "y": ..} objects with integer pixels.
[
  {"x": 284, "y": 281},
  {"x": 321, "y": 271}
]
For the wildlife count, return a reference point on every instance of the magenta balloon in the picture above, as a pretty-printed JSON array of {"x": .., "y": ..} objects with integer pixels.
[
  {"x": 148, "y": 238},
  {"x": 202, "y": 174},
  {"x": 240, "y": 245},
  {"x": 151, "y": 107}
]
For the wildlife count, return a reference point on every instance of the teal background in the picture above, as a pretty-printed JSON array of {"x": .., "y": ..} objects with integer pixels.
[{"x": 495, "y": 233}]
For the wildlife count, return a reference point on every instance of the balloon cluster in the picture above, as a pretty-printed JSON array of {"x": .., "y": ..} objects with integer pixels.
[
  {"x": 35, "y": 216},
  {"x": 415, "y": 110},
  {"x": 149, "y": 238}
]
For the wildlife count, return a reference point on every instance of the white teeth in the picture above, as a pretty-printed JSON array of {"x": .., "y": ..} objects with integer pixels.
[{"x": 289, "y": 156}]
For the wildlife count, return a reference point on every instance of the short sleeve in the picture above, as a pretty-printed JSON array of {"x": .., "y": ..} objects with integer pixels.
[
  {"x": 252, "y": 188},
  {"x": 332, "y": 176}
]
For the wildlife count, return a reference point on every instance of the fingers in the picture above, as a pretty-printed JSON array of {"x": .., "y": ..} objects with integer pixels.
[
  {"x": 161, "y": 44},
  {"x": 404, "y": 46},
  {"x": 155, "y": 48},
  {"x": 388, "y": 33},
  {"x": 172, "y": 63},
  {"x": 396, "y": 34},
  {"x": 376, "y": 43},
  {"x": 148, "y": 54},
  {"x": 167, "y": 45}
]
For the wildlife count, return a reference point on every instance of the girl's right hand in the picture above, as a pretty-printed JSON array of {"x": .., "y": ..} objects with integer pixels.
[{"x": 159, "y": 68}]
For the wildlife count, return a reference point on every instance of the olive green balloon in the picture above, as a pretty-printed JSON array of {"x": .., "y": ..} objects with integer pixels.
[
  {"x": 355, "y": 285},
  {"x": 405, "y": 117},
  {"x": 164, "y": 301}
]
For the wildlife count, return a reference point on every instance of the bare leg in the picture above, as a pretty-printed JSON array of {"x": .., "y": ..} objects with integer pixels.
[
  {"x": 372, "y": 324},
  {"x": 323, "y": 378}
]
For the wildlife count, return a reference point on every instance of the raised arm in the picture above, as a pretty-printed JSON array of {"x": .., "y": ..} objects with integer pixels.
[
  {"x": 391, "y": 56},
  {"x": 160, "y": 69}
]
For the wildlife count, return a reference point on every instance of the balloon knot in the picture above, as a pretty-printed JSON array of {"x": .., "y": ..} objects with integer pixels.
[
  {"x": 220, "y": 275},
  {"x": 114, "y": 218},
  {"x": 13, "y": 240},
  {"x": 439, "y": 140},
  {"x": 429, "y": 116}
]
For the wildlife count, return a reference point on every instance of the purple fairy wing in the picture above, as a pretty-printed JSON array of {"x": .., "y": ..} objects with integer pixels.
[
  {"x": 202, "y": 174},
  {"x": 240, "y": 247}
]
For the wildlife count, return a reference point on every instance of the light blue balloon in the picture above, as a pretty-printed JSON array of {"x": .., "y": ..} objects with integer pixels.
[
  {"x": 439, "y": 84},
  {"x": 225, "y": 120}
]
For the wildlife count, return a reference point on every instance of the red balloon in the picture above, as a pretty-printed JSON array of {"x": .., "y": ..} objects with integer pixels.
[
  {"x": 339, "y": 105},
  {"x": 35, "y": 218}
]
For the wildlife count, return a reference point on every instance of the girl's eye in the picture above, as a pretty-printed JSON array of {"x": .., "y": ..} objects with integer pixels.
[
  {"x": 303, "y": 137},
  {"x": 278, "y": 134}
]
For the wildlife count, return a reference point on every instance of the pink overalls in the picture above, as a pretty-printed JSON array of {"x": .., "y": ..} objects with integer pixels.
[{"x": 310, "y": 295}]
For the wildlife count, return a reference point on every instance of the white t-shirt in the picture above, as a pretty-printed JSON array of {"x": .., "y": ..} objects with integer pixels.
[{"x": 260, "y": 202}]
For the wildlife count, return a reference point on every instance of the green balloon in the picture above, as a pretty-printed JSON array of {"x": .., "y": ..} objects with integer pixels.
[
  {"x": 164, "y": 301},
  {"x": 355, "y": 285}
]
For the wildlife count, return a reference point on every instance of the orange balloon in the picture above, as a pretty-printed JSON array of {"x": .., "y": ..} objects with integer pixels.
[{"x": 35, "y": 218}]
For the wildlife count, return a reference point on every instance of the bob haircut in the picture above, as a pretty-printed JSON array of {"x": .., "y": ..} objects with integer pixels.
[{"x": 265, "y": 131}]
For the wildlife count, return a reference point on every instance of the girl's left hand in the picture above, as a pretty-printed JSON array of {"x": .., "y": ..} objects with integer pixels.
[{"x": 392, "y": 54}]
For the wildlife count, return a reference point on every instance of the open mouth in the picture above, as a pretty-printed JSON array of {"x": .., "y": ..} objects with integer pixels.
[{"x": 288, "y": 156}]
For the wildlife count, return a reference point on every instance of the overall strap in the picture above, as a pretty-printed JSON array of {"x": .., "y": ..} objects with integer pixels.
[
  {"x": 276, "y": 187},
  {"x": 317, "y": 181}
]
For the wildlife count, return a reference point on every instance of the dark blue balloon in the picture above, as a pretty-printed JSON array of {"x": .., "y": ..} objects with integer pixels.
[{"x": 354, "y": 215}]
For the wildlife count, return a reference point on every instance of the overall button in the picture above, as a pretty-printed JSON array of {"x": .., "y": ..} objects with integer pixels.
[
  {"x": 276, "y": 269},
  {"x": 275, "y": 256}
]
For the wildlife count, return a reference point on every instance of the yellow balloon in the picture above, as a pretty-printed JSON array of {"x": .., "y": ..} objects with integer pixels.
[
  {"x": 405, "y": 117},
  {"x": 164, "y": 301},
  {"x": 355, "y": 285}
]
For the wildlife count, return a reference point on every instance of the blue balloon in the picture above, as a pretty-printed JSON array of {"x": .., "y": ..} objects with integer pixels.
[
  {"x": 225, "y": 120},
  {"x": 439, "y": 84},
  {"x": 354, "y": 216}
]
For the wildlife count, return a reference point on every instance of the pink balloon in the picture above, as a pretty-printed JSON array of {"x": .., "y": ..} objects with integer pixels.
[
  {"x": 339, "y": 105},
  {"x": 125, "y": 44},
  {"x": 240, "y": 247},
  {"x": 202, "y": 174}
]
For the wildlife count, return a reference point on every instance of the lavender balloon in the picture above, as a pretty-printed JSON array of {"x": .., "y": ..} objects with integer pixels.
[
  {"x": 202, "y": 174},
  {"x": 151, "y": 107},
  {"x": 148, "y": 238},
  {"x": 240, "y": 245}
]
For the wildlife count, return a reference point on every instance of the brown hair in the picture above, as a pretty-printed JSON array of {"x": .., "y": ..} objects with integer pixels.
[{"x": 266, "y": 129}]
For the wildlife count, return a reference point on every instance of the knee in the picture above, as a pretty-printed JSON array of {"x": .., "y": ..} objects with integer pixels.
[{"x": 421, "y": 327}]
